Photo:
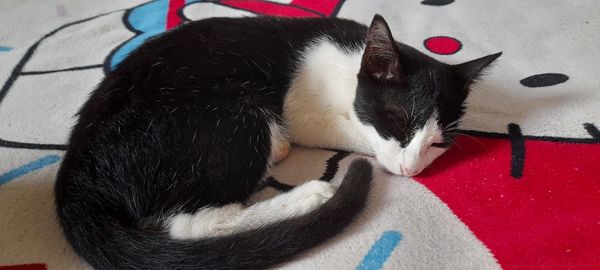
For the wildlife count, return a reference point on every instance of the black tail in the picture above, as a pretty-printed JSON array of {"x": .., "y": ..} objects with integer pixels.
[{"x": 107, "y": 244}]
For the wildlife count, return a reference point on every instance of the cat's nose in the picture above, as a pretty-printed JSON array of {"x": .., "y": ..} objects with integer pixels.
[{"x": 407, "y": 171}]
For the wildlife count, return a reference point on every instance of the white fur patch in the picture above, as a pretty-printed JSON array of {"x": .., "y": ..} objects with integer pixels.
[
  {"x": 319, "y": 105},
  {"x": 319, "y": 112},
  {"x": 280, "y": 145},
  {"x": 413, "y": 158},
  {"x": 232, "y": 218}
]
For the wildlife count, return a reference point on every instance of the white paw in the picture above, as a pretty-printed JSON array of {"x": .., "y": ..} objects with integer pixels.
[
  {"x": 308, "y": 196},
  {"x": 281, "y": 151},
  {"x": 205, "y": 222}
]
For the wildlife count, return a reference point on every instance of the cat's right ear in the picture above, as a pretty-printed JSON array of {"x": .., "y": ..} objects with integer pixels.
[
  {"x": 380, "y": 59},
  {"x": 471, "y": 71}
]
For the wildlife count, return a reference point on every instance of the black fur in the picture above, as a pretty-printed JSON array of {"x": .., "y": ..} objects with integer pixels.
[
  {"x": 400, "y": 88},
  {"x": 183, "y": 123}
]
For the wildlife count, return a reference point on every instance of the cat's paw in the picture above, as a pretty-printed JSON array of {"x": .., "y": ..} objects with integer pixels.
[
  {"x": 281, "y": 151},
  {"x": 308, "y": 196},
  {"x": 205, "y": 222}
]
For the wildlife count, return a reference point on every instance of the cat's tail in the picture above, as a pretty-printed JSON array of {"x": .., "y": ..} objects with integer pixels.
[{"x": 107, "y": 243}]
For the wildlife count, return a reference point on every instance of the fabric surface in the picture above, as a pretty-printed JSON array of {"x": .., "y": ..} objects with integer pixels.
[{"x": 521, "y": 190}]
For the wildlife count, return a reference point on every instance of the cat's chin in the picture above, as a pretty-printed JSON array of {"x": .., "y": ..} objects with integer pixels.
[
  {"x": 395, "y": 173},
  {"x": 402, "y": 173},
  {"x": 389, "y": 170},
  {"x": 397, "y": 168}
]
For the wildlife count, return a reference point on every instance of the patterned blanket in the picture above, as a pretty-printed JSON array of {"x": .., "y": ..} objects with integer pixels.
[{"x": 520, "y": 189}]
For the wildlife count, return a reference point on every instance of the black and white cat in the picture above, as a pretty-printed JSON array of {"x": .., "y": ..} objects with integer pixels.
[{"x": 178, "y": 136}]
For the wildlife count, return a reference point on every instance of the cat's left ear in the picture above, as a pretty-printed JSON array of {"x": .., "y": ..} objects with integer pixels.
[
  {"x": 380, "y": 59},
  {"x": 471, "y": 70}
]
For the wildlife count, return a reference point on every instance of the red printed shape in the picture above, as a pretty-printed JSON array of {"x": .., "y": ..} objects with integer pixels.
[
  {"x": 173, "y": 18},
  {"x": 547, "y": 219},
  {"x": 35, "y": 266},
  {"x": 324, "y": 7},
  {"x": 443, "y": 45},
  {"x": 297, "y": 8},
  {"x": 270, "y": 8}
]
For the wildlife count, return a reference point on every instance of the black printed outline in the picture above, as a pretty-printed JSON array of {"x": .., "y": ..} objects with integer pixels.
[
  {"x": 106, "y": 64},
  {"x": 497, "y": 135},
  {"x": 517, "y": 146},
  {"x": 337, "y": 8},
  {"x": 331, "y": 170},
  {"x": 39, "y": 72},
  {"x": 216, "y": 2},
  {"x": 18, "y": 70},
  {"x": 303, "y": 8},
  {"x": 593, "y": 131},
  {"x": 277, "y": 4},
  {"x": 591, "y": 128},
  {"x": 182, "y": 16},
  {"x": 274, "y": 183},
  {"x": 36, "y": 146},
  {"x": 334, "y": 12},
  {"x": 333, "y": 165}
]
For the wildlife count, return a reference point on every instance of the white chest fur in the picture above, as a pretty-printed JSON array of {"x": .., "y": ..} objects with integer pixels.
[{"x": 319, "y": 106}]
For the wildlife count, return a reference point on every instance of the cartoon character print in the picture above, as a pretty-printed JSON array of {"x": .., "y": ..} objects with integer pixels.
[
  {"x": 523, "y": 176},
  {"x": 49, "y": 118}
]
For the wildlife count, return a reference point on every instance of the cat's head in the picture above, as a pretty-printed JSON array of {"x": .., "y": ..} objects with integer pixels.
[{"x": 408, "y": 102}]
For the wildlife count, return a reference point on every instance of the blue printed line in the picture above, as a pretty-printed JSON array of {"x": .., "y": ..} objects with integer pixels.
[
  {"x": 380, "y": 251},
  {"x": 29, "y": 167},
  {"x": 149, "y": 19},
  {"x": 5, "y": 49}
]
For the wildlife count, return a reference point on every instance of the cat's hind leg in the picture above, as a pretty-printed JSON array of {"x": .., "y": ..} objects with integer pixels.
[{"x": 232, "y": 218}]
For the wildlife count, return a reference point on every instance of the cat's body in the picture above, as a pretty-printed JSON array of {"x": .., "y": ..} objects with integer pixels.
[{"x": 179, "y": 135}]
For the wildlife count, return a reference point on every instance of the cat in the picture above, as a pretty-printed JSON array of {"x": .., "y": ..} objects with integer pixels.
[{"x": 177, "y": 137}]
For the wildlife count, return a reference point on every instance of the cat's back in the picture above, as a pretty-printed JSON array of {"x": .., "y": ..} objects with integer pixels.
[
  {"x": 274, "y": 31},
  {"x": 231, "y": 60},
  {"x": 218, "y": 55},
  {"x": 218, "y": 43}
]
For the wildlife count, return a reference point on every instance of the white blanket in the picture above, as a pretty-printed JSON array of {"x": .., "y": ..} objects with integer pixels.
[{"x": 521, "y": 190}]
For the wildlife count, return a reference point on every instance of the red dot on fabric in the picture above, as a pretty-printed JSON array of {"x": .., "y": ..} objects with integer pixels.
[{"x": 442, "y": 45}]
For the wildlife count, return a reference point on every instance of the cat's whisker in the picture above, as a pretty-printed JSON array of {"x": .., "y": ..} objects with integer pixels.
[
  {"x": 453, "y": 123},
  {"x": 471, "y": 116},
  {"x": 461, "y": 119},
  {"x": 484, "y": 113},
  {"x": 467, "y": 135},
  {"x": 457, "y": 145},
  {"x": 457, "y": 121},
  {"x": 405, "y": 113},
  {"x": 412, "y": 111}
]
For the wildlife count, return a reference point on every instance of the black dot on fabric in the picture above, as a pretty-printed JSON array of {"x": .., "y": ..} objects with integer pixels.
[
  {"x": 544, "y": 79},
  {"x": 436, "y": 2}
]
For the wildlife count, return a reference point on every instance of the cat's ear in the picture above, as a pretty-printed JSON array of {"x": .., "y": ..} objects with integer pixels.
[
  {"x": 380, "y": 59},
  {"x": 470, "y": 71}
]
